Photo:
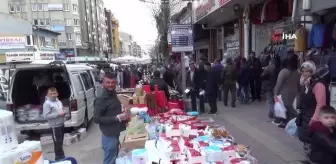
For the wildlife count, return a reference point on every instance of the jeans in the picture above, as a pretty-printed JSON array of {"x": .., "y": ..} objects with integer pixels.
[
  {"x": 110, "y": 147},
  {"x": 270, "y": 102},
  {"x": 243, "y": 93},
  {"x": 58, "y": 137}
]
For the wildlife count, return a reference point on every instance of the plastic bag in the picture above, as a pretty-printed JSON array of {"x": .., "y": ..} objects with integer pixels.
[
  {"x": 291, "y": 128},
  {"x": 136, "y": 126},
  {"x": 279, "y": 108}
]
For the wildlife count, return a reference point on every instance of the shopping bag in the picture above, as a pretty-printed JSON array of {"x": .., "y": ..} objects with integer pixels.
[
  {"x": 279, "y": 108},
  {"x": 291, "y": 128}
]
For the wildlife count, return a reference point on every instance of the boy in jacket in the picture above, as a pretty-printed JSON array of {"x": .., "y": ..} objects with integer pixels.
[
  {"x": 53, "y": 112},
  {"x": 323, "y": 137}
]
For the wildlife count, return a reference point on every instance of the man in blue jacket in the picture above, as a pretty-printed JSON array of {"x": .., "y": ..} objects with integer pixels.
[{"x": 212, "y": 84}]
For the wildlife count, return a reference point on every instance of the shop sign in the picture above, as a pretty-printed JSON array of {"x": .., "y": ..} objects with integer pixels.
[
  {"x": 49, "y": 43},
  {"x": 12, "y": 42},
  {"x": 277, "y": 36},
  {"x": 204, "y": 8},
  {"x": 47, "y": 56},
  {"x": 232, "y": 44},
  {"x": 60, "y": 56},
  {"x": 19, "y": 56}
]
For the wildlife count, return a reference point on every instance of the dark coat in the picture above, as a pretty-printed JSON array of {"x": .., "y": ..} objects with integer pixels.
[
  {"x": 200, "y": 79},
  {"x": 229, "y": 74},
  {"x": 245, "y": 75},
  {"x": 323, "y": 145},
  {"x": 163, "y": 86},
  {"x": 255, "y": 66},
  {"x": 269, "y": 78},
  {"x": 213, "y": 81},
  {"x": 168, "y": 77}
]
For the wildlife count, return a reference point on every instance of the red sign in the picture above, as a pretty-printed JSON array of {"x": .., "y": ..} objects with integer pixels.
[
  {"x": 276, "y": 36},
  {"x": 223, "y": 2},
  {"x": 204, "y": 8}
]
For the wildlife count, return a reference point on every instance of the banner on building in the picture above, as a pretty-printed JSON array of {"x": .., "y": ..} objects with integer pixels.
[
  {"x": 182, "y": 38},
  {"x": 55, "y": 7},
  {"x": 47, "y": 55},
  {"x": 19, "y": 56},
  {"x": 12, "y": 42}
]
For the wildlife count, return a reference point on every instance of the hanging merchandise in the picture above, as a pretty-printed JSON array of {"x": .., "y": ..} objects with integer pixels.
[
  {"x": 270, "y": 11},
  {"x": 316, "y": 39},
  {"x": 306, "y": 5},
  {"x": 300, "y": 44}
]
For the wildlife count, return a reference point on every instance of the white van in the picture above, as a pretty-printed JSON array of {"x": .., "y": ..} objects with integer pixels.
[{"x": 76, "y": 85}]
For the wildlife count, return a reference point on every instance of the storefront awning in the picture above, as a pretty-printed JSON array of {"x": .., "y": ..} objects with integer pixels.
[
  {"x": 316, "y": 7},
  {"x": 222, "y": 13}
]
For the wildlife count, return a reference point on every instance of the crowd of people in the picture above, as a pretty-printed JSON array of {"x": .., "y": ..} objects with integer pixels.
[{"x": 303, "y": 87}]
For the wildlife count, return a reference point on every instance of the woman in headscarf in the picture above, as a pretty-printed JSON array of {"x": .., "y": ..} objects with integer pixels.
[
  {"x": 287, "y": 86},
  {"x": 314, "y": 94}
]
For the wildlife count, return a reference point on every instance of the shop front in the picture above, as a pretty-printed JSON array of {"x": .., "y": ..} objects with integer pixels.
[{"x": 231, "y": 41}]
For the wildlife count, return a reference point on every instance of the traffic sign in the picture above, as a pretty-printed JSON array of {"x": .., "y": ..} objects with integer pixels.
[{"x": 182, "y": 38}]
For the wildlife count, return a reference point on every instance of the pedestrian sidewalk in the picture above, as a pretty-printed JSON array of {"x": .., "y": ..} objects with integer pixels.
[{"x": 250, "y": 125}]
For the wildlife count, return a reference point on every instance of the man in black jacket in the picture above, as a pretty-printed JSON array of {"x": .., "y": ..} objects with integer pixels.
[
  {"x": 163, "y": 86},
  {"x": 200, "y": 83},
  {"x": 256, "y": 70},
  {"x": 190, "y": 84},
  {"x": 110, "y": 117}
]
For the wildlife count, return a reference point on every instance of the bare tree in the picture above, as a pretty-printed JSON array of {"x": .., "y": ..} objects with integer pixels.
[{"x": 162, "y": 11}]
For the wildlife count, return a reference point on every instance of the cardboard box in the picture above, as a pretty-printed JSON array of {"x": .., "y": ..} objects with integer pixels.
[
  {"x": 138, "y": 91},
  {"x": 142, "y": 99},
  {"x": 135, "y": 141},
  {"x": 136, "y": 100}
]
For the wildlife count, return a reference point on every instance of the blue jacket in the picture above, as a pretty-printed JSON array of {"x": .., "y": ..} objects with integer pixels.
[{"x": 316, "y": 38}]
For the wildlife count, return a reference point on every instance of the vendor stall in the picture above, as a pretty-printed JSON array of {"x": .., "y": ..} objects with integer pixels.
[{"x": 176, "y": 137}]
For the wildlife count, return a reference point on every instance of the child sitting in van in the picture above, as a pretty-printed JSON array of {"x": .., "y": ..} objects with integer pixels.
[
  {"x": 53, "y": 112},
  {"x": 323, "y": 145}
]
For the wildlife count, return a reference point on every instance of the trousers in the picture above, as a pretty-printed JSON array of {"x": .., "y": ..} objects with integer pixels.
[
  {"x": 110, "y": 147},
  {"x": 58, "y": 137}
]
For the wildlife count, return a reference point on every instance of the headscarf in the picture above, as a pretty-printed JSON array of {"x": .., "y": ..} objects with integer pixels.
[{"x": 306, "y": 81}]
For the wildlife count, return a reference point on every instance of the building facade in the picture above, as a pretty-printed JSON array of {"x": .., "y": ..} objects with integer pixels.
[
  {"x": 78, "y": 22},
  {"x": 109, "y": 32},
  {"x": 115, "y": 38},
  {"x": 126, "y": 43}
]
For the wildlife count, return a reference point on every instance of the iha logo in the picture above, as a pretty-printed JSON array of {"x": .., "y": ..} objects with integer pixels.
[{"x": 281, "y": 36}]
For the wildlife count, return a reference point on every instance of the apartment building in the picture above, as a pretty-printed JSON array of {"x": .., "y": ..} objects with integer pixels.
[
  {"x": 76, "y": 20},
  {"x": 111, "y": 51},
  {"x": 126, "y": 43},
  {"x": 115, "y": 36}
]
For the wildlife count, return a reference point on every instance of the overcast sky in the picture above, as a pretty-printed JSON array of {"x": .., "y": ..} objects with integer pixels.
[{"x": 134, "y": 18}]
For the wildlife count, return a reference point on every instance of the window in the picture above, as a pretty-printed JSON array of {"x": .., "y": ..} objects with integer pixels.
[
  {"x": 42, "y": 41},
  {"x": 47, "y": 22},
  {"x": 90, "y": 76},
  {"x": 88, "y": 83},
  {"x": 18, "y": 8},
  {"x": 23, "y": 8},
  {"x": 68, "y": 22},
  {"x": 66, "y": 7},
  {"x": 69, "y": 36},
  {"x": 11, "y": 8},
  {"x": 40, "y": 7},
  {"x": 76, "y": 22},
  {"x": 74, "y": 8},
  {"x": 42, "y": 22},
  {"x": 36, "y": 22},
  {"x": 34, "y": 7},
  {"x": 45, "y": 7},
  {"x": 77, "y": 83},
  {"x": 29, "y": 40}
]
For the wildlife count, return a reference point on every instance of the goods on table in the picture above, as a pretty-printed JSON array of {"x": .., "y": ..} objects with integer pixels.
[
  {"x": 136, "y": 126},
  {"x": 8, "y": 138},
  {"x": 187, "y": 139},
  {"x": 34, "y": 113},
  {"x": 26, "y": 152}
]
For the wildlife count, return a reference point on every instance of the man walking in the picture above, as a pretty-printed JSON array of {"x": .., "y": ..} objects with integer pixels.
[
  {"x": 108, "y": 114},
  {"x": 229, "y": 78},
  {"x": 256, "y": 70}
]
